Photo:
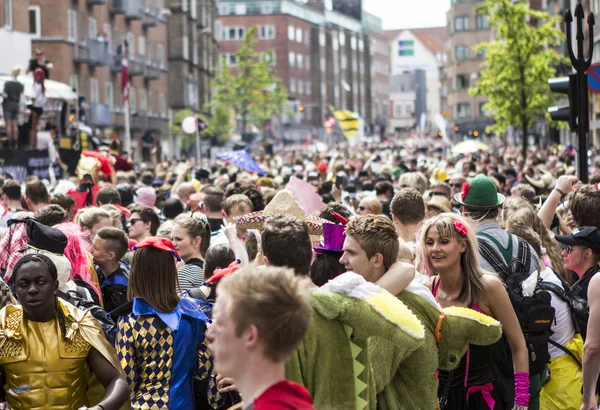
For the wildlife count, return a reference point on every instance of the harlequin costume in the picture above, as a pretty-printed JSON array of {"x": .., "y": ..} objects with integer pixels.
[
  {"x": 160, "y": 352},
  {"x": 41, "y": 365}
]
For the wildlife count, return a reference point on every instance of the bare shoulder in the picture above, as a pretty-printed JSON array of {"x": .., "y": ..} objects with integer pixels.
[
  {"x": 492, "y": 282},
  {"x": 594, "y": 287}
]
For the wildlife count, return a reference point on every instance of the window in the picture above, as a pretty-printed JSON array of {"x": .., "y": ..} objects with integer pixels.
[
  {"x": 107, "y": 34},
  {"x": 397, "y": 110},
  {"x": 224, "y": 9},
  {"x": 461, "y": 23},
  {"x": 93, "y": 90},
  {"x": 361, "y": 45},
  {"x": 342, "y": 38},
  {"x": 162, "y": 104},
  {"x": 482, "y": 111},
  {"x": 462, "y": 82},
  {"x": 184, "y": 5},
  {"x": 141, "y": 46},
  {"x": 241, "y": 32},
  {"x": 300, "y": 87},
  {"x": 143, "y": 100},
  {"x": 108, "y": 94},
  {"x": 193, "y": 9},
  {"x": 291, "y": 33},
  {"x": 300, "y": 61},
  {"x": 231, "y": 33},
  {"x": 334, "y": 43},
  {"x": 462, "y": 53},
  {"x": 83, "y": 89},
  {"x": 232, "y": 59},
  {"x": 353, "y": 43},
  {"x": 292, "y": 59},
  {"x": 132, "y": 99},
  {"x": 299, "y": 35},
  {"x": 92, "y": 28},
  {"x": 266, "y": 8},
  {"x": 292, "y": 85},
  {"x": 322, "y": 40},
  {"x": 306, "y": 37},
  {"x": 35, "y": 21},
  {"x": 186, "y": 47},
  {"x": 71, "y": 25},
  {"x": 131, "y": 43},
  {"x": 160, "y": 55},
  {"x": 270, "y": 57},
  {"x": 463, "y": 110},
  {"x": 344, "y": 62},
  {"x": 74, "y": 82},
  {"x": 308, "y": 88},
  {"x": 406, "y": 48},
  {"x": 307, "y": 63},
  {"x": 266, "y": 33},
  {"x": 481, "y": 22},
  {"x": 8, "y": 14},
  {"x": 322, "y": 65},
  {"x": 240, "y": 9}
]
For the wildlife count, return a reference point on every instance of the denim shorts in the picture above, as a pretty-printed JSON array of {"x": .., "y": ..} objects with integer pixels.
[{"x": 11, "y": 115}]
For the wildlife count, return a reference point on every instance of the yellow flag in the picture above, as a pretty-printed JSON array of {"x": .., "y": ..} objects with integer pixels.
[{"x": 348, "y": 121}]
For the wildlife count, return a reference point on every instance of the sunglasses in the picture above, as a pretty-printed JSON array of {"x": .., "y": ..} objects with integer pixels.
[
  {"x": 456, "y": 185},
  {"x": 569, "y": 249},
  {"x": 437, "y": 193},
  {"x": 133, "y": 221}
]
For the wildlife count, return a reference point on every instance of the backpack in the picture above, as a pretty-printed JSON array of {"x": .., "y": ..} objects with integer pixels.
[
  {"x": 578, "y": 306},
  {"x": 535, "y": 313}
]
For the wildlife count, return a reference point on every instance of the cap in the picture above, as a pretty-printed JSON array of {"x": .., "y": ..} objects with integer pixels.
[
  {"x": 43, "y": 237},
  {"x": 587, "y": 236},
  {"x": 146, "y": 196}
]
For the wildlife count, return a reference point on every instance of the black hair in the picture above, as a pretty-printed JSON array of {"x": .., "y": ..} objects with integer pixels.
[{"x": 325, "y": 267}]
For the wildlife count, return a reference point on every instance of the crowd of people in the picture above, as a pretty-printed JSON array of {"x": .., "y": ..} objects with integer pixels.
[{"x": 379, "y": 276}]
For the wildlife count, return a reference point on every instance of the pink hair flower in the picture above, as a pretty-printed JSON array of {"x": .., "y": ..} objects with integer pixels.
[{"x": 460, "y": 228}]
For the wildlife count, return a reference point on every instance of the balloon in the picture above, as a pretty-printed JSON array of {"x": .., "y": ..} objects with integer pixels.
[{"x": 189, "y": 125}]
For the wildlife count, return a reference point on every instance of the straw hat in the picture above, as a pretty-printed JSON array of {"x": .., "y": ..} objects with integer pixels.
[
  {"x": 547, "y": 181},
  {"x": 439, "y": 202},
  {"x": 284, "y": 203}
]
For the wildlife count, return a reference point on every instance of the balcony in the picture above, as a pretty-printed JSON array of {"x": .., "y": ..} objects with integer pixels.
[
  {"x": 139, "y": 121},
  {"x": 118, "y": 120},
  {"x": 132, "y": 9},
  {"x": 135, "y": 65},
  {"x": 152, "y": 70},
  {"x": 96, "y": 2},
  {"x": 93, "y": 53},
  {"x": 151, "y": 16},
  {"x": 99, "y": 115}
]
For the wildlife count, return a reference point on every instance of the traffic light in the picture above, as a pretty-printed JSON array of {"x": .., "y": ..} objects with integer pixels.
[
  {"x": 82, "y": 108},
  {"x": 568, "y": 85}
]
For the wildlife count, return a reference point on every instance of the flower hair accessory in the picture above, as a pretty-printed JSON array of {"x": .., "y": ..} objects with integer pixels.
[
  {"x": 162, "y": 244},
  {"x": 460, "y": 228},
  {"x": 465, "y": 190}
]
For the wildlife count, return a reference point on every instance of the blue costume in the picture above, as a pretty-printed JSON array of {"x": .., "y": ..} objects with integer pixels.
[{"x": 161, "y": 352}]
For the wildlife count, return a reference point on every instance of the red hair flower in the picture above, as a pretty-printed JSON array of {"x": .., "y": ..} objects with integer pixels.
[
  {"x": 465, "y": 190},
  {"x": 460, "y": 228}
]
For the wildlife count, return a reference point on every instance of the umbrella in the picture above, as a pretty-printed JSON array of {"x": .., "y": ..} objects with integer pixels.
[
  {"x": 242, "y": 160},
  {"x": 54, "y": 90},
  {"x": 469, "y": 147}
]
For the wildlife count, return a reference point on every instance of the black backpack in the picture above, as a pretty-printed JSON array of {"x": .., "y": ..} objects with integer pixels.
[
  {"x": 535, "y": 313},
  {"x": 578, "y": 305}
]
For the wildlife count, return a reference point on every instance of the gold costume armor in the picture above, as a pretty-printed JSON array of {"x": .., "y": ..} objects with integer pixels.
[{"x": 43, "y": 369}]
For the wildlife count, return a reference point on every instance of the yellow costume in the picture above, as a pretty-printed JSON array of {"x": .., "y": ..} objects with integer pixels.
[
  {"x": 43, "y": 369},
  {"x": 563, "y": 391}
]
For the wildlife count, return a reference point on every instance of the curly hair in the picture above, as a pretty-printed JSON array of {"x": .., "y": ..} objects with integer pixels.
[
  {"x": 408, "y": 206},
  {"x": 252, "y": 191},
  {"x": 375, "y": 234},
  {"x": 51, "y": 215}
]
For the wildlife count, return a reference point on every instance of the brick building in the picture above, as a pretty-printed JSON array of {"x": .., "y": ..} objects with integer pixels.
[
  {"x": 83, "y": 39},
  {"x": 321, "y": 56},
  {"x": 16, "y": 33}
]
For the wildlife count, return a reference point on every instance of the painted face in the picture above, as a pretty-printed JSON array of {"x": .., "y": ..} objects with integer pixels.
[
  {"x": 355, "y": 259},
  {"x": 35, "y": 289},
  {"x": 227, "y": 348},
  {"x": 183, "y": 243},
  {"x": 443, "y": 252}
]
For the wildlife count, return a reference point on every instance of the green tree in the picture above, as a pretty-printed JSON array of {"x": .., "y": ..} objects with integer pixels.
[
  {"x": 250, "y": 89},
  {"x": 518, "y": 64}
]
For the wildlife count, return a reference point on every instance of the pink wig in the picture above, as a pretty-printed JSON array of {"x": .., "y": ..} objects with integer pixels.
[{"x": 76, "y": 252}]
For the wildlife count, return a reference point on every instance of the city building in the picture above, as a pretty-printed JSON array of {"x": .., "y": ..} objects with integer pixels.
[
  {"x": 378, "y": 106},
  {"x": 16, "y": 32},
  {"x": 320, "y": 52},
  {"x": 403, "y": 99},
  {"x": 84, "y": 40},
  {"x": 465, "y": 29},
  {"x": 421, "y": 49}
]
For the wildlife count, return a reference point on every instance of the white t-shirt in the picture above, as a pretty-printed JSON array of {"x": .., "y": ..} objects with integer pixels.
[
  {"x": 563, "y": 327},
  {"x": 39, "y": 96},
  {"x": 45, "y": 142}
]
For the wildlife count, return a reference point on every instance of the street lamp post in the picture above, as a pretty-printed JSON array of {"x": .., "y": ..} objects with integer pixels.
[{"x": 581, "y": 65}]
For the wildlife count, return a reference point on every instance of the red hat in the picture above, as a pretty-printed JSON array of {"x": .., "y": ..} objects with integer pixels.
[
  {"x": 162, "y": 244},
  {"x": 221, "y": 273},
  {"x": 322, "y": 168}
]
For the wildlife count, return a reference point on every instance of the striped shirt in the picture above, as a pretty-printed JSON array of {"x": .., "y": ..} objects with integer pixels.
[{"x": 191, "y": 274}]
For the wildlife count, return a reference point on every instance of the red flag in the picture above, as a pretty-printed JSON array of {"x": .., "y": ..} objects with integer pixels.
[{"x": 125, "y": 75}]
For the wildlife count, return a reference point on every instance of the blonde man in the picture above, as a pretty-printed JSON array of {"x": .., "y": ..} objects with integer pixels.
[{"x": 259, "y": 319}]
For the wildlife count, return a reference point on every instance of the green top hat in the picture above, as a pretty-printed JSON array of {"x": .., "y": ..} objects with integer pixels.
[{"x": 480, "y": 193}]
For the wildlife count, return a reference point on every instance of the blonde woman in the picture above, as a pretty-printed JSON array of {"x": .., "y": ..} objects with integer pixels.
[
  {"x": 448, "y": 248},
  {"x": 91, "y": 220},
  {"x": 369, "y": 206}
]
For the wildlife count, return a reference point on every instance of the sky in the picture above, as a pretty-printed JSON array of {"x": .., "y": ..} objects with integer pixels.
[{"x": 409, "y": 13}]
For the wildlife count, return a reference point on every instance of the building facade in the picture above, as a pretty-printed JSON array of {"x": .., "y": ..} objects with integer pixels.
[
  {"x": 85, "y": 40},
  {"x": 423, "y": 50},
  {"x": 466, "y": 29},
  {"x": 321, "y": 56},
  {"x": 16, "y": 32}
]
